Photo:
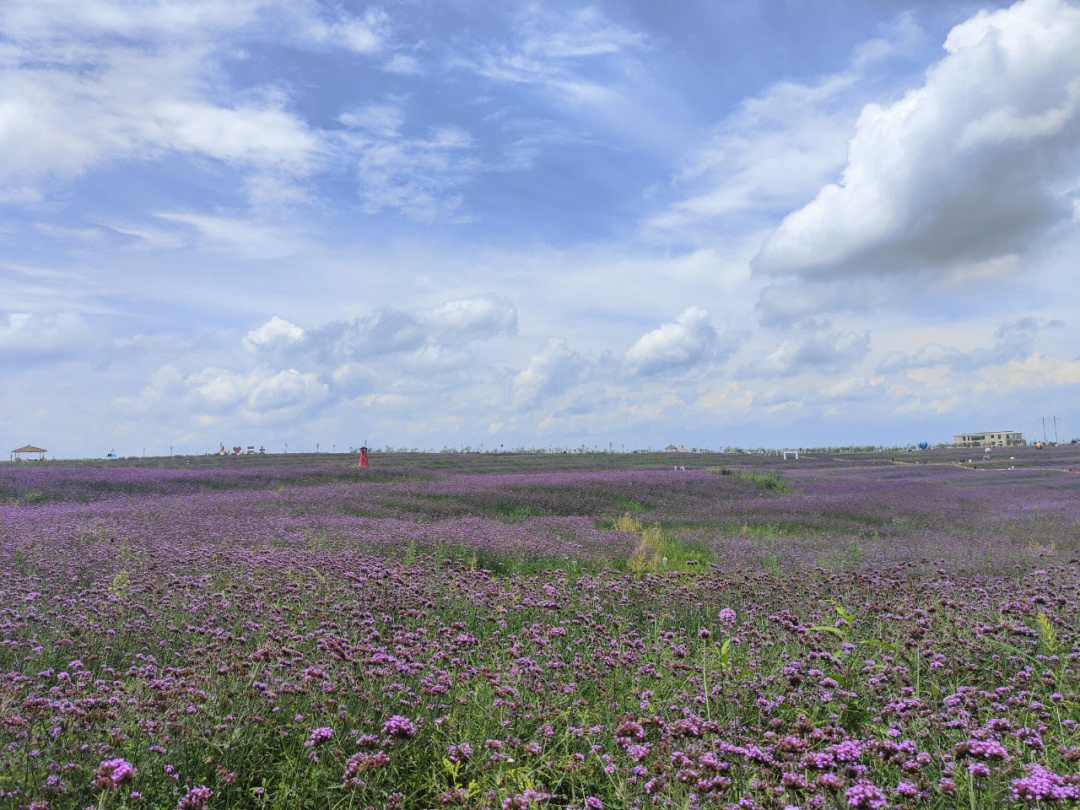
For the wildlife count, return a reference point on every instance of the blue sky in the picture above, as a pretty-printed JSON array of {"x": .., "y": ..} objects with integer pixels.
[{"x": 456, "y": 223}]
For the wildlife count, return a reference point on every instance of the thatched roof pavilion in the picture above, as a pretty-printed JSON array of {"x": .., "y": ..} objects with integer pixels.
[{"x": 28, "y": 450}]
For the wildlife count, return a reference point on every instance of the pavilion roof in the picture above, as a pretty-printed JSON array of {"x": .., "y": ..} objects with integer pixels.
[{"x": 30, "y": 449}]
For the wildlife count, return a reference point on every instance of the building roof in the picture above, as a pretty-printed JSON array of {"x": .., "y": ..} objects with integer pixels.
[
  {"x": 30, "y": 449},
  {"x": 671, "y": 447}
]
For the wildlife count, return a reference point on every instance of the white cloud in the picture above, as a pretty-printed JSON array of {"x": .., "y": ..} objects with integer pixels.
[
  {"x": 286, "y": 389},
  {"x": 584, "y": 33},
  {"x": 363, "y": 34},
  {"x": 553, "y": 51},
  {"x": 244, "y": 236},
  {"x": 687, "y": 341},
  {"x": 775, "y": 150},
  {"x": 257, "y": 394},
  {"x": 148, "y": 236},
  {"x": 405, "y": 64},
  {"x": 29, "y": 334},
  {"x": 480, "y": 317},
  {"x": 417, "y": 176},
  {"x": 102, "y": 80},
  {"x": 822, "y": 351},
  {"x": 165, "y": 388},
  {"x": 1034, "y": 371},
  {"x": 1012, "y": 342},
  {"x": 959, "y": 170},
  {"x": 353, "y": 377},
  {"x": 304, "y": 22},
  {"x": 383, "y": 333},
  {"x": 275, "y": 333},
  {"x": 549, "y": 372}
]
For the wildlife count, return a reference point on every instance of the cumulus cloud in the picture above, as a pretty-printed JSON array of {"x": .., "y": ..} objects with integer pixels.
[
  {"x": 476, "y": 318},
  {"x": 165, "y": 388},
  {"x": 549, "y": 372},
  {"x": 779, "y": 147},
  {"x": 353, "y": 378},
  {"x": 275, "y": 333},
  {"x": 259, "y": 393},
  {"x": 382, "y": 333},
  {"x": 447, "y": 328},
  {"x": 288, "y": 370},
  {"x": 776, "y": 149},
  {"x": 687, "y": 341},
  {"x": 1013, "y": 341},
  {"x": 1034, "y": 371},
  {"x": 961, "y": 170},
  {"x": 29, "y": 334},
  {"x": 820, "y": 352}
]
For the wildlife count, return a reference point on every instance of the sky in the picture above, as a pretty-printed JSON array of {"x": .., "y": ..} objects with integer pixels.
[{"x": 454, "y": 223}]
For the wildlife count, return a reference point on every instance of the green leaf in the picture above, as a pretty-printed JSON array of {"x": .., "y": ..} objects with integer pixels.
[{"x": 875, "y": 643}]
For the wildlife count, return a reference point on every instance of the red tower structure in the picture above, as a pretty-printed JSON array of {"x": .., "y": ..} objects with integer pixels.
[{"x": 363, "y": 459}]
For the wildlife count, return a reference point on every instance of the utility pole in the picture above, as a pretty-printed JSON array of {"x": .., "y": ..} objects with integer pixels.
[
  {"x": 1055, "y": 430},
  {"x": 1044, "y": 428}
]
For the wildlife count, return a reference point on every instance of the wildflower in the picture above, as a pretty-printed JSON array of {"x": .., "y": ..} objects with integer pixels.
[
  {"x": 1041, "y": 784},
  {"x": 359, "y": 764},
  {"x": 905, "y": 788},
  {"x": 367, "y": 741},
  {"x": 400, "y": 727},
  {"x": 978, "y": 769},
  {"x": 319, "y": 736},
  {"x": 593, "y": 803},
  {"x": 727, "y": 616},
  {"x": 459, "y": 753},
  {"x": 865, "y": 795},
  {"x": 112, "y": 773},
  {"x": 196, "y": 798},
  {"x": 982, "y": 749}
]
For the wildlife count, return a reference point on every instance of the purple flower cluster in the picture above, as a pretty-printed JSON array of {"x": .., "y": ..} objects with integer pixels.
[
  {"x": 400, "y": 728},
  {"x": 112, "y": 773}
]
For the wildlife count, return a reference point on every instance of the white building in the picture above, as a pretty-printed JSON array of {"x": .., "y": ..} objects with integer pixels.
[{"x": 990, "y": 438}]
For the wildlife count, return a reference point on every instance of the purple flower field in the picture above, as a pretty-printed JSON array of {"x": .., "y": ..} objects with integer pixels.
[{"x": 593, "y": 631}]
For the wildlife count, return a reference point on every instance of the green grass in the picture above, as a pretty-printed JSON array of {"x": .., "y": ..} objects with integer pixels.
[
  {"x": 766, "y": 480},
  {"x": 660, "y": 550}
]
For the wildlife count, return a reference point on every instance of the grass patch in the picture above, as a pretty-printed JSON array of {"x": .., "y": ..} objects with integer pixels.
[
  {"x": 660, "y": 550},
  {"x": 511, "y": 509},
  {"x": 631, "y": 505},
  {"x": 509, "y": 564},
  {"x": 766, "y": 480}
]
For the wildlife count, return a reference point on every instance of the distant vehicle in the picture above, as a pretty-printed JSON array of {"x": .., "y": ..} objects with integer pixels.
[{"x": 1075, "y": 441}]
